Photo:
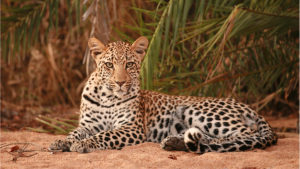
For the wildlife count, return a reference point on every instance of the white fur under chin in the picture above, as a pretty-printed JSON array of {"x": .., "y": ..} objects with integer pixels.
[{"x": 120, "y": 93}]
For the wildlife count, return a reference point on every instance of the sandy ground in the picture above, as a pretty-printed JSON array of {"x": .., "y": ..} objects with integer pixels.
[{"x": 284, "y": 155}]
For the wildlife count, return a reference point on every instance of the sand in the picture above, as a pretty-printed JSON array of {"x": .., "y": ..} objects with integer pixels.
[{"x": 285, "y": 155}]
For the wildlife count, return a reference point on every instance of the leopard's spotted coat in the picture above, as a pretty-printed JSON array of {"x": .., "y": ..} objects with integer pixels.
[{"x": 115, "y": 112}]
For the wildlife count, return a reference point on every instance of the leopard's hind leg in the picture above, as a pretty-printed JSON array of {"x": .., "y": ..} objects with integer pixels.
[{"x": 195, "y": 141}]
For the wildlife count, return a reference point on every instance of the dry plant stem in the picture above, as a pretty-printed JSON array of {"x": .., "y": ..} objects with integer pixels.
[
  {"x": 24, "y": 143},
  {"x": 42, "y": 149},
  {"x": 292, "y": 105},
  {"x": 19, "y": 152},
  {"x": 53, "y": 65}
]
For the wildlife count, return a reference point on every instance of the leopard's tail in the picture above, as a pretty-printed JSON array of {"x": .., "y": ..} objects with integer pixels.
[{"x": 266, "y": 133}]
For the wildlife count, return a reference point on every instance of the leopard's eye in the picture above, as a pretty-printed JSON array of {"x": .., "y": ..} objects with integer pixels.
[
  {"x": 129, "y": 64},
  {"x": 109, "y": 64}
]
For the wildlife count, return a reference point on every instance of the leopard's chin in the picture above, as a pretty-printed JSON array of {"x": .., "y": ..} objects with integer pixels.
[{"x": 120, "y": 93}]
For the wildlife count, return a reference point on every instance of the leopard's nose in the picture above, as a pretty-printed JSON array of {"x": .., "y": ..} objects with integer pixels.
[{"x": 120, "y": 83}]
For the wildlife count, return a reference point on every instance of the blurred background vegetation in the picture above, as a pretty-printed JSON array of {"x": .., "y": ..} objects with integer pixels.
[{"x": 245, "y": 49}]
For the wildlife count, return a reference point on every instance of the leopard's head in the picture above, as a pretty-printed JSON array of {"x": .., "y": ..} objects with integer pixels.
[{"x": 118, "y": 64}]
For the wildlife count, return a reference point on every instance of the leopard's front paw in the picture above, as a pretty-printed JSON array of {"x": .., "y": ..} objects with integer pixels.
[
  {"x": 81, "y": 147},
  {"x": 60, "y": 145}
]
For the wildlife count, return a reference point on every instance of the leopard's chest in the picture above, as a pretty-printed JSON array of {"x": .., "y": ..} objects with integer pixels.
[{"x": 106, "y": 117}]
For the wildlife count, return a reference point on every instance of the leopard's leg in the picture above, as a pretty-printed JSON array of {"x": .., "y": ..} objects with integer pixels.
[
  {"x": 78, "y": 134},
  {"x": 175, "y": 140},
  {"x": 113, "y": 139},
  {"x": 196, "y": 142}
]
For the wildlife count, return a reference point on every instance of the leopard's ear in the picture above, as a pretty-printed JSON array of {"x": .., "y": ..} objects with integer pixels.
[
  {"x": 96, "y": 47},
  {"x": 139, "y": 46}
]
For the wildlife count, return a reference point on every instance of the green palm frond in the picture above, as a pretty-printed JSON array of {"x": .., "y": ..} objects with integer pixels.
[
  {"x": 23, "y": 24},
  {"x": 245, "y": 49}
]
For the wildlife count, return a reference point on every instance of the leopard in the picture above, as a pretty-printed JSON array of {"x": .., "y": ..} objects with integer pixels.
[{"x": 116, "y": 112}]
